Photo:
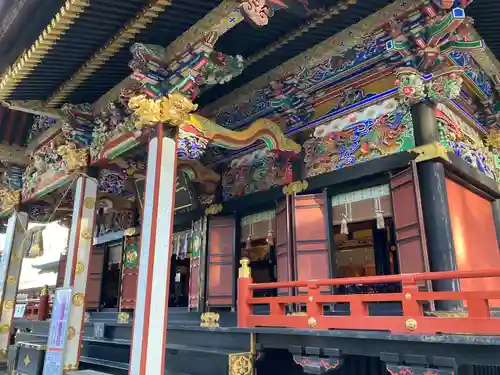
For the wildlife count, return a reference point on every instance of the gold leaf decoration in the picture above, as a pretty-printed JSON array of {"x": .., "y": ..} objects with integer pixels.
[
  {"x": 78, "y": 299},
  {"x": 79, "y": 268},
  {"x": 89, "y": 203}
]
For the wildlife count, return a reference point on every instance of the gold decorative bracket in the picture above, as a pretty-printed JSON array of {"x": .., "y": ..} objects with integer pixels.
[
  {"x": 210, "y": 320},
  {"x": 241, "y": 364},
  {"x": 214, "y": 209},
  {"x": 295, "y": 187},
  {"x": 430, "y": 151}
]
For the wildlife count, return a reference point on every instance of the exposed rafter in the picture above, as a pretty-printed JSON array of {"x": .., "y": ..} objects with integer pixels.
[
  {"x": 150, "y": 12},
  {"x": 32, "y": 57},
  {"x": 336, "y": 45},
  {"x": 220, "y": 20}
]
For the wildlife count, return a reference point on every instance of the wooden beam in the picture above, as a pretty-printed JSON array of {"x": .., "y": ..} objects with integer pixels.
[
  {"x": 149, "y": 13},
  {"x": 336, "y": 45},
  {"x": 219, "y": 20}
]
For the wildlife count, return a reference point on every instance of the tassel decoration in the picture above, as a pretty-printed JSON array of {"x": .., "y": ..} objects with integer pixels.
[
  {"x": 379, "y": 214},
  {"x": 270, "y": 234},
  {"x": 270, "y": 238},
  {"x": 343, "y": 225},
  {"x": 248, "y": 244}
]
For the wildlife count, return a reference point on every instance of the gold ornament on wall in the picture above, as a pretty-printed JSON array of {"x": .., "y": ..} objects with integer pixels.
[
  {"x": 11, "y": 280},
  {"x": 79, "y": 268},
  {"x": 86, "y": 234},
  {"x": 71, "y": 333},
  {"x": 411, "y": 324},
  {"x": 173, "y": 109},
  {"x": 241, "y": 364},
  {"x": 78, "y": 299},
  {"x": 8, "y": 305},
  {"x": 89, "y": 203},
  {"x": 4, "y": 328}
]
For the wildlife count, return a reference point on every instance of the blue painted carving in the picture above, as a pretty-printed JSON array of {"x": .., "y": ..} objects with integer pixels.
[{"x": 473, "y": 71}]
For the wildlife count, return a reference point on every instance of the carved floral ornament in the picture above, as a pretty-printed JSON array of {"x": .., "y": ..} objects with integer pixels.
[{"x": 443, "y": 85}]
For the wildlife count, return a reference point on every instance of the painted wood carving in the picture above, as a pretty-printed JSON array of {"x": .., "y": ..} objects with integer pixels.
[
  {"x": 466, "y": 142},
  {"x": 130, "y": 272},
  {"x": 376, "y": 131},
  {"x": 257, "y": 171}
]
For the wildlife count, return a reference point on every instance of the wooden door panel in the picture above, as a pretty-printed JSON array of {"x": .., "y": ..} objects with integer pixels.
[
  {"x": 221, "y": 250},
  {"x": 283, "y": 250},
  {"x": 408, "y": 221},
  {"x": 312, "y": 259},
  {"x": 130, "y": 273},
  {"x": 96, "y": 265}
]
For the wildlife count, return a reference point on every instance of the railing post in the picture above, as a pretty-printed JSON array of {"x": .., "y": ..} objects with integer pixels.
[
  {"x": 43, "y": 305},
  {"x": 244, "y": 293},
  {"x": 411, "y": 307},
  {"x": 314, "y": 309}
]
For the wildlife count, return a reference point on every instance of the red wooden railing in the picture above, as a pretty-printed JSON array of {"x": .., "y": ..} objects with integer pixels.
[{"x": 475, "y": 319}]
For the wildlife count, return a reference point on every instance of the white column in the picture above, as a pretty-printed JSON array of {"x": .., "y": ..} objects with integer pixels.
[
  {"x": 77, "y": 265},
  {"x": 12, "y": 258},
  {"x": 150, "y": 316}
]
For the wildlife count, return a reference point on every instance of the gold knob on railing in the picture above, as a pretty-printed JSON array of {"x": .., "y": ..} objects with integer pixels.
[
  {"x": 244, "y": 268},
  {"x": 45, "y": 291}
]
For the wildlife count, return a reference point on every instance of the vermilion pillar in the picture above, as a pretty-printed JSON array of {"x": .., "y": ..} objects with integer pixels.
[
  {"x": 77, "y": 264},
  {"x": 12, "y": 258},
  {"x": 150, "y": 316}
]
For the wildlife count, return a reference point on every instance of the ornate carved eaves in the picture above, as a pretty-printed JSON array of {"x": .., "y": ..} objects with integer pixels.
[
  {"x": 145, "y": 17},
  {"x": 219, "y": 20},
  {"x": 336, "y": 45}
]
